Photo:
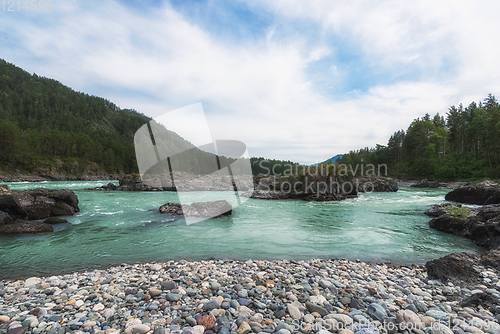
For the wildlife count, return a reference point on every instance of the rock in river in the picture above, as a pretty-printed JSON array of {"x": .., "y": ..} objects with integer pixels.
[
  {"x": 18, "y": 208},
  {"x": 200, "y": 209}
]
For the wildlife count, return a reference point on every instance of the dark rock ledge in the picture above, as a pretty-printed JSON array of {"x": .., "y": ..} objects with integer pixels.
[
  {"x": 21, "y": 210},
  {"x": 483, "y": 193},
  {"x": 479, "y": 224},
  {"x": 318, "y": 189}
]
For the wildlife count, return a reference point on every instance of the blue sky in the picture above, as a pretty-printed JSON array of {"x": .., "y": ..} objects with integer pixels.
[{"x": 299, "y": 80}]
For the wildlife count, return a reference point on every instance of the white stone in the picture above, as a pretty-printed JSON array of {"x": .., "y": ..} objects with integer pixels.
[
  {"x": 317, "y": 299},
  {"x": 294, "y": 312},
  {"x": 309, "y": 318},
  {"x": 345, "y": 320},
  {"x": 139, "y": 328},
  {"x": 32, "y": 281},
  {"x": 98, "y": 307},
  {"x": 133, "y": 322},
  {"x": 409, "y": 319},
  {"x": 155, "y": 267},
  {"x": 198, "y": 329},
  {"x": 33, "y": 322}
]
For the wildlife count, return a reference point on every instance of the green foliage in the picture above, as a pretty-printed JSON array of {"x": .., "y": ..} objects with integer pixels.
[
  {"x": 463, "y": 145},
  {"x": 460, "y": 212}
]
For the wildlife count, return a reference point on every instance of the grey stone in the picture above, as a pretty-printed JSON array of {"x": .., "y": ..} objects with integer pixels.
[
  {"x": 316, "y": 308},
  {"x": 173, "y": 297},
  {"x": 376, "y": 311},
  {"x": 294, "y": 312}
]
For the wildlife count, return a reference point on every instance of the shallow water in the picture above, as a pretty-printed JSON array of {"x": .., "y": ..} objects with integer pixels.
[{"x": 117, "y": 227}]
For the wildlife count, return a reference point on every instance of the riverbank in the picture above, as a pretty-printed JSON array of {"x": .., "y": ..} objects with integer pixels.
[
  {"x": 223, "y": 296},
  {"x": 21, "y": 177}
]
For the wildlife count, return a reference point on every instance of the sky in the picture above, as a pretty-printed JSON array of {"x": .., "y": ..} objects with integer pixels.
[{"x": 294, "y": 80}]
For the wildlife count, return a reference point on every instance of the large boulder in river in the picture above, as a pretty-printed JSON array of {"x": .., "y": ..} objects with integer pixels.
[
  {"x": 65, "y": 196},
  {"x": 200, "y": 209},
  {"x": 39, "y": 203},
  {"x": 20, "y": 226},
  {"x": 63, "y": 209},
  {"x": 481, "y": 194}
]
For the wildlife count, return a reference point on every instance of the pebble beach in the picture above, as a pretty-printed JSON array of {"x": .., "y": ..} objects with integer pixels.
[{"x": 225, "y": 296}]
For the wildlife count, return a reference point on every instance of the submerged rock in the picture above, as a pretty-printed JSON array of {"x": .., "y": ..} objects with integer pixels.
[
  {"x": 55, "y": 220},
  {"x": 20, "y": 226}
]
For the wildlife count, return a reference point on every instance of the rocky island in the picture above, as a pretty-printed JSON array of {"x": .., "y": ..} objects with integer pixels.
[{"x": 20, "y": 211}]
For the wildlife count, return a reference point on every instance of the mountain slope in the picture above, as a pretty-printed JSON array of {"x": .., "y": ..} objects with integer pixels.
[{"x": 46, "y": 125}]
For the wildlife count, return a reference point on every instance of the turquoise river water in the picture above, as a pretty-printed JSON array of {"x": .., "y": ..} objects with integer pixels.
[{"x": 124, "y": 227}]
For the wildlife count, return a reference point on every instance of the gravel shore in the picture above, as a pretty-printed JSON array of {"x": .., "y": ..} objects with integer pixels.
[{"x": 225, "y": 296}]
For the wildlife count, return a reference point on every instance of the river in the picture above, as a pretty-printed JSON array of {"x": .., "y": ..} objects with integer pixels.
[{"x": 115, "y": 227}]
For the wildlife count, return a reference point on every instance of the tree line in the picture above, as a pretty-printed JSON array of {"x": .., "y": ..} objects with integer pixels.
[{"x": 463, "y": 144}]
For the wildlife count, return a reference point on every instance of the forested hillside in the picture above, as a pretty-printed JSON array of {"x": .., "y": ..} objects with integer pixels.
[
  {"x": 42, "y": 120},
  {"x": 463, "y": 144},
  {"x": 46, "y": 124}
]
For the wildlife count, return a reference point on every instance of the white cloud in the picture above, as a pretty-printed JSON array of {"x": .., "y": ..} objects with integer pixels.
[{"x": 260, "y": 91}]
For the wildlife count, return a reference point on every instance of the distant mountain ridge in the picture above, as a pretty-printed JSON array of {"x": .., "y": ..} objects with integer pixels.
[{"x": 332, "y": 159}]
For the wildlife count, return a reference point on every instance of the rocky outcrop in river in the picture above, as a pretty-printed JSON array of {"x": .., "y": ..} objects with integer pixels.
[
  {"x": 479, "y": 224},
  {"x": 201, "y": 209},
  {"x": 483, "y": 193},
  {"x": 428, "y": 184},
  {"x": 318, "y": 188},
  {"x": 20, "y": 209}
]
